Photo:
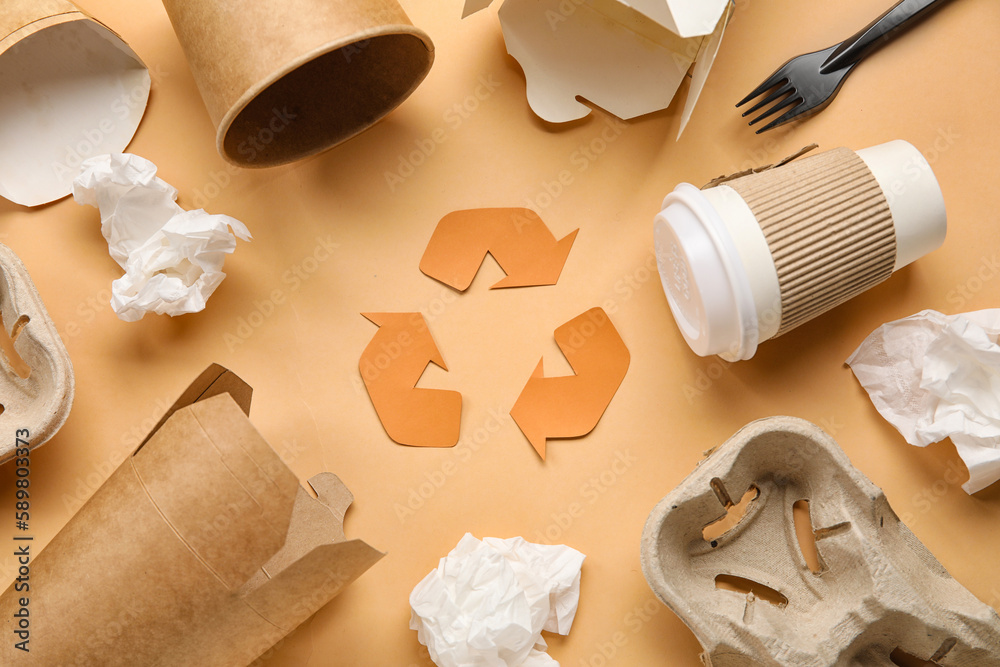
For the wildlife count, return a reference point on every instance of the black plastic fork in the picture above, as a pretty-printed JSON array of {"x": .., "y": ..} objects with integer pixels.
[{"x": 806, "y": 84}]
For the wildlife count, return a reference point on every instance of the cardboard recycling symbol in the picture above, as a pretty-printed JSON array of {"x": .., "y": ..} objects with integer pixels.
[
  {"x": 517, "y": 238},
  {"x": 548, "y": 407},
  {"x": 410, "y": 415}
]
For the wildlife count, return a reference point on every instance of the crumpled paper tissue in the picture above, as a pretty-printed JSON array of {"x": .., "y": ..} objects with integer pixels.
[
  {"x": 172, "y": 258},
  {"x": 936, "y": 376},
  {"x": 487, "y": 602}
]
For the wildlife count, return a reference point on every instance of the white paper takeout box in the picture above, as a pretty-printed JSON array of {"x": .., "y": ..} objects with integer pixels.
[{"x": 628, "y": 57}]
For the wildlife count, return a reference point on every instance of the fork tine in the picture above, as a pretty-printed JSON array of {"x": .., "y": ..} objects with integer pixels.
[
  {"x": 801, "y": 110},
  {"x": 791, "y": 100},
  {"x": 796, "y": 89},
  {"x": 792, "y": 113},
  {"x": 783, "y": 90},
  {"x": 770, "y": 82}
]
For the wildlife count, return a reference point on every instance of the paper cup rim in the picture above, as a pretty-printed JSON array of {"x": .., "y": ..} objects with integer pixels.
[
  {"x": 287, "y": 68},
  {"x": 44, "y": 23}
]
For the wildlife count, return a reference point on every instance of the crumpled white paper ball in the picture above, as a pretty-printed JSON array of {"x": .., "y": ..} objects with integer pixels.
[
  {"x": 936, "y": 376},
  {"x": 172, "y": 258},
  {"x": 487, "y": 602}
]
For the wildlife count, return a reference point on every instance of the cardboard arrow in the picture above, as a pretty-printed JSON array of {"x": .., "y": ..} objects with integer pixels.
[
  {"x": 391, "y": 365},
  {"x": 516, "y": 237},
  {"x": 571, "y": 406}
]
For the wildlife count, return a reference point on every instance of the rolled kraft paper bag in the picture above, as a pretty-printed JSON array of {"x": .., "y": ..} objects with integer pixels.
[
  {"x": 284, "y": 79},
  {"x": 70, "y": 88},
  {"x": 201, "y": 549},
  {"x": 753, "y": 256}
]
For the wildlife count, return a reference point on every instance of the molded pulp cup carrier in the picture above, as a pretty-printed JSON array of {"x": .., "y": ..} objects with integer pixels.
[{"x": 754, "y": 257}]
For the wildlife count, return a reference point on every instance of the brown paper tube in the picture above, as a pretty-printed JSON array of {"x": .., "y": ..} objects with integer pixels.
[
  {"x": 201, "y": 549},
  {"x": 71, "y": 89},
  {"x": 285, "y": 79}
]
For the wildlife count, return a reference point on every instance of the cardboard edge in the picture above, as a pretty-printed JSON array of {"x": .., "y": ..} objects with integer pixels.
[
  {"x": 279, "y": 593},
  {"x": 317, "y": 560},
  {"x": 703, "y": 62},
  {"x": 214, "y": 380},
  {"x": 39, "y": 24},
  {"x": 472, "y": 6},
  {"x": 689, "y": 28},
  {"x": 333, "y": 494}
]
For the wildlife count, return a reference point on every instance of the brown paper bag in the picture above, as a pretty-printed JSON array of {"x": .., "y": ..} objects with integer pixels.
[
  {"x": 202, "y": 548},
  {"x": 284, "y": 79}
]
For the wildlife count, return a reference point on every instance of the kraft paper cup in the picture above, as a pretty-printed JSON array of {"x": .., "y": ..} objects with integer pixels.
[
  {"x": 70, "y": 88},
  {"x": 285, "y": 79},
  {"x": 756, "y": 256}
]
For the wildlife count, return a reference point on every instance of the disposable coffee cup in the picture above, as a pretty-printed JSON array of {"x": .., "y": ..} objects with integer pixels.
[{"x": 754, "y": 257}]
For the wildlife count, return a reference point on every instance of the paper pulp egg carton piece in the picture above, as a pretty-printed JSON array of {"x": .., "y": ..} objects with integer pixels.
[
  {"x": 872, "y": 593},
  {"x": 36, "y": 391}
]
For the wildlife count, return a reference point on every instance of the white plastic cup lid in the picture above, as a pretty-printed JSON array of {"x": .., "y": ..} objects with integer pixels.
[{"x": 703, "y": 277}]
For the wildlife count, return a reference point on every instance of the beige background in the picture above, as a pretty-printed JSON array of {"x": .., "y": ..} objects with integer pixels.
[{"x": 935, "y": 87}]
